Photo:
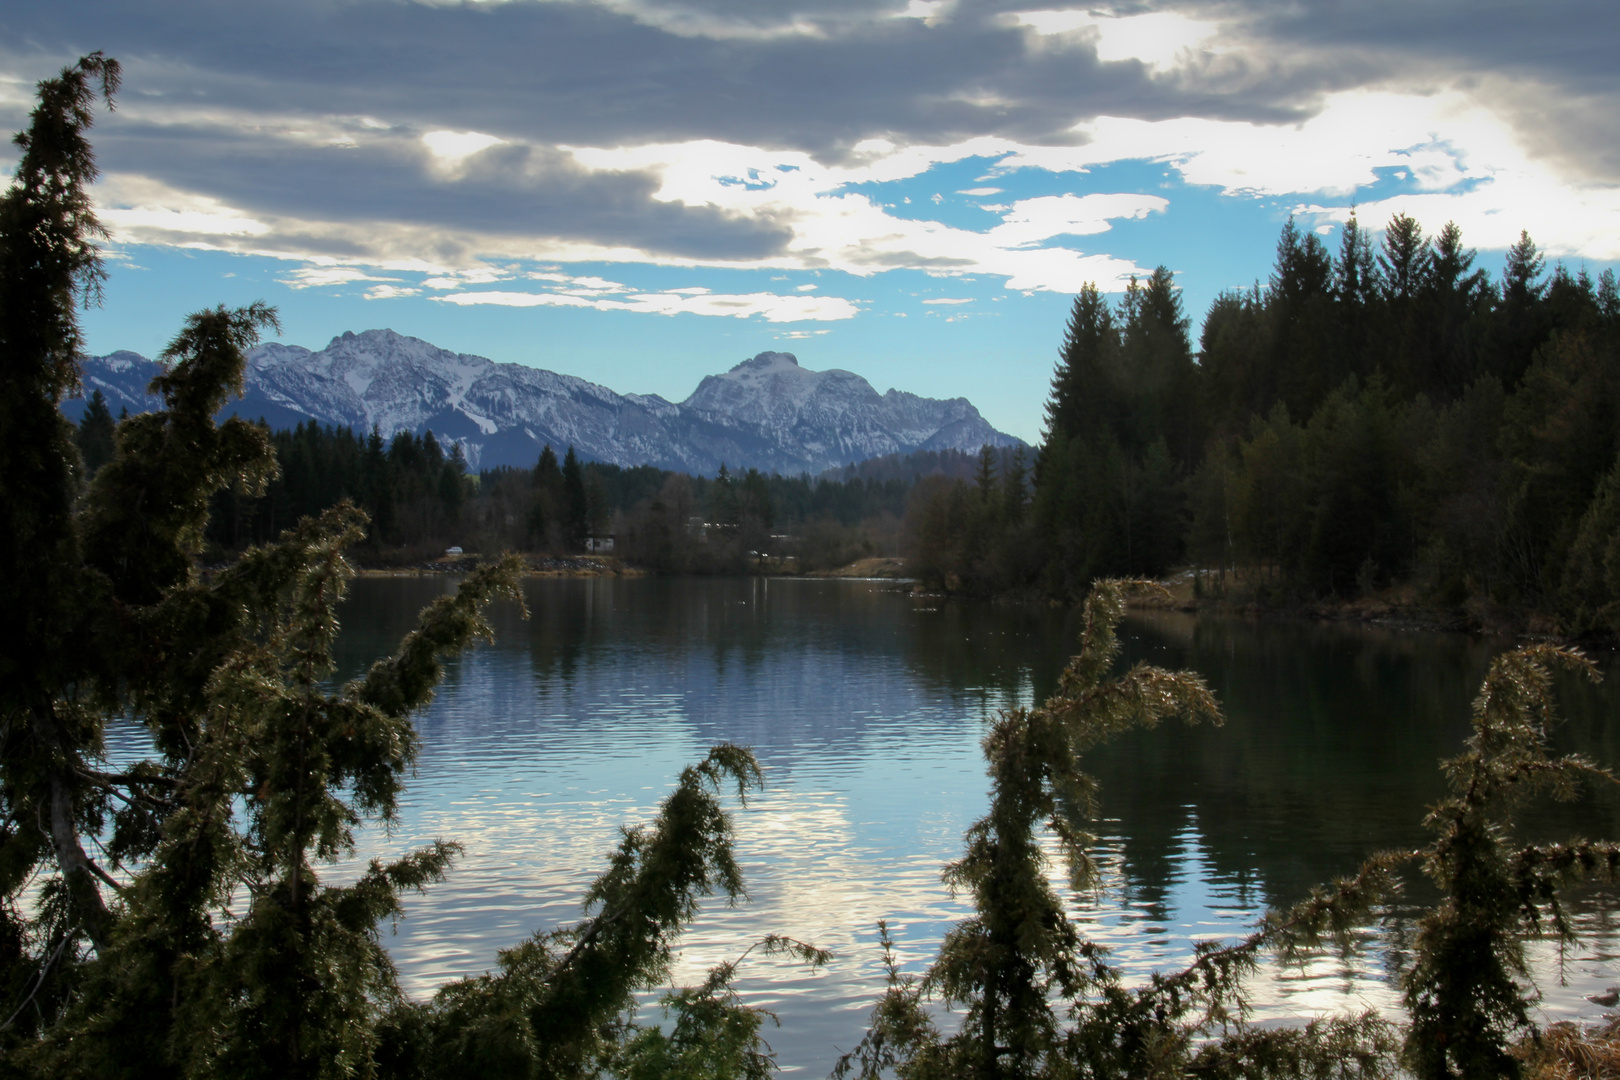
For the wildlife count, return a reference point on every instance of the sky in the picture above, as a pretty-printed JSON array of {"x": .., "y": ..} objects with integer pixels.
[{"x": 644, "y": 192}]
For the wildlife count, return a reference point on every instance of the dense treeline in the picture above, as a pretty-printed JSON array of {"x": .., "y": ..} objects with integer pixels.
[
  {"x": 1368, "y": 417},
  {"x": 410, "y": 487},
  {"x": 420, "y": 498}
]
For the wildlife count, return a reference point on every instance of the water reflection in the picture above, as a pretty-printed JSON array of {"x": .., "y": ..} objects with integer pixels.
[{"x": 866, "y": 705}]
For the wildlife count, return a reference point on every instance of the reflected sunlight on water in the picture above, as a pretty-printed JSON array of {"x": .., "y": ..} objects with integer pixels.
[{"x": 866, "y": 708}]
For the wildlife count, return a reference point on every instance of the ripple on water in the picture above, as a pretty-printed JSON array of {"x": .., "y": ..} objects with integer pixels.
[{"x": 866, "y": 711}]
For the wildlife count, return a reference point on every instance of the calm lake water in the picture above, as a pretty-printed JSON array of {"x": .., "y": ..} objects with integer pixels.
[{"x": 866, "y": 707}]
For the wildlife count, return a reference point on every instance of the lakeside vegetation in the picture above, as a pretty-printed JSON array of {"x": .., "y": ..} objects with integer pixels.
[
  {"x": 1366, "y": 419},
  {"x": 167, "y": 916}
]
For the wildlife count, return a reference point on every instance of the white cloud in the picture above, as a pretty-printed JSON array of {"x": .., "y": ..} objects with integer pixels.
[
  {"x": 136, "y": 223},
  {"x": 582, "y": 285},
  {"x": 453, "y": 146},
  {"x": 838, "y": 230},
  {"x": 1337, "y": 150},
  {"x": 770, "y": 306},
  {"x": 948, "y": 300},
  {"x": 1033, "y": 220},
  {"x": 460, "y": 279},
  {"x": 390, "y": 292},
  {"x": 313, "y": 277},
  {"x": 1566, "y": 221},
  {"x": 1466, "y": 161},
  {"x": 137, "y": 210},
  {"x": 922, "y": 9},
  {"x": 1158, "y": 39}
]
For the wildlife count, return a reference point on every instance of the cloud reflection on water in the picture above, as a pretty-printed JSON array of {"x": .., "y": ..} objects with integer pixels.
[{"x": 867, "y": 713}]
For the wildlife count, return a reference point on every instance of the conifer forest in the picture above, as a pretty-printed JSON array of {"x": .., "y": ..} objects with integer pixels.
[{"x": 1380, "y": 414}]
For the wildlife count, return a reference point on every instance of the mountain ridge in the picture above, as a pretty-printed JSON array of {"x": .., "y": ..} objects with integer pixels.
[{"x": 767, "y": 412}]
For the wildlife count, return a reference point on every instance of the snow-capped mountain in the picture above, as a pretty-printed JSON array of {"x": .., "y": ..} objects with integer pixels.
[{"x": 767, "y": 413}]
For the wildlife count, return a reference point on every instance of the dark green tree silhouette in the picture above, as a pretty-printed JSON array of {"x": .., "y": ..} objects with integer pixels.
[
  {"x": 576, "y": 503},
  {"x": 48, "y": 260},
  {"x": 1521, "y": 321},
  {"x": 96, "y": 434},
  {"x": 546, "y": 513},
  {"x": 1465, "y": 991}
]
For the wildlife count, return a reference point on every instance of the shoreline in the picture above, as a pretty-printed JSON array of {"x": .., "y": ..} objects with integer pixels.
[
  {"x": 581, "y": 566},
  {"x": 1394, "y": 609}
]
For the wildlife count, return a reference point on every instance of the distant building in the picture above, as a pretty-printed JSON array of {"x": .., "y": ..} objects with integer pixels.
[
  {"x": 452, "y": 551},
  {"x": 599, "y": 545}
]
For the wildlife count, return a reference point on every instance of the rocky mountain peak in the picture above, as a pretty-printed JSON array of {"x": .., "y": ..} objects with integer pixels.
[
  {"x": 767, "y": 413},
  {"x": 766, "y": 361}
]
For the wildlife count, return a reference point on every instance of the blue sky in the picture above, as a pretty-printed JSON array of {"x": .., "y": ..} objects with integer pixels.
[{"x": 643, "y": 192}]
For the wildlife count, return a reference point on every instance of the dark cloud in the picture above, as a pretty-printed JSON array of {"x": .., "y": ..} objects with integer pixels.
[
  {"x": 1549, "y": 67},
  {"x": 576, "y": 73},
  {"x": 1562, "y": 42},
  {"x": 542, "y": 74},
  {"x": 571, "y": 73},
  {"x": 504, "y": 190}
]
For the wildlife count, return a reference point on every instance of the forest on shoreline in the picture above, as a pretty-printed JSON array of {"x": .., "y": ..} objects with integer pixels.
[
  {"x": 420, "y": 498},
  {"x": 1370, "y": 420}
]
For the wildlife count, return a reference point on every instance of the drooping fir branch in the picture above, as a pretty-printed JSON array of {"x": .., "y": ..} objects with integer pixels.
[
  {"x": 1043, "y": 1001},
  {"x": 557, "y": 1006},
  {"x": 1019, "y": 956},
  {"x": 714, "y": 1032},
  {"x": 1464, "y": 991}
]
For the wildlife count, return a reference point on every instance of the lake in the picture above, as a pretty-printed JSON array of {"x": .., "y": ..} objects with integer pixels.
[{"x": 866, "y": 705}]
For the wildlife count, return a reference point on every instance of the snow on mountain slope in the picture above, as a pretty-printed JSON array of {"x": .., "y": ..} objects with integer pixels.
[
  {"x": 122, "y": 379},
  {"x": 767, "y": 413}
]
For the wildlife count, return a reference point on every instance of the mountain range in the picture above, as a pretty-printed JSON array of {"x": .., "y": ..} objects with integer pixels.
[{"x": 767, "y": 413}]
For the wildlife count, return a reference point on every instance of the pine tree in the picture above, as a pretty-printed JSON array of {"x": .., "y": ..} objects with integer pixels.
[
  {"x": 1307, "y": 351},
  {"x": 453, "y": 482},
  {"x": 96, "y": 434},
  {"x": 1404, "y": 263},
  {"x": 1356, "y": 280},
  {"x": 1357, "y": 290},
  {"x": 725, "y": 509},
  {"x": 1157, "y": 367},
  {"x": 1014, "y": 488},
  {"x": 1235, "y": 362},
  {"x": 576, "y": 503},
  {"x": 1520, "y": 324},
  {"x": 48, "y": 258},
  {"x": 1083, "y": 386},
  {"x": 1123, "y": 422},
  {"x": 1457, "y": 297},
  {"x": 545, "y": 517}
]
